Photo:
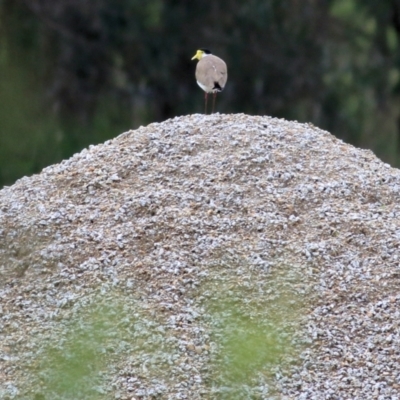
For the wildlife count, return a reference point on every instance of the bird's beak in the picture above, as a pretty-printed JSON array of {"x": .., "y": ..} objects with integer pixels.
[{"x": 195, "y": 56}]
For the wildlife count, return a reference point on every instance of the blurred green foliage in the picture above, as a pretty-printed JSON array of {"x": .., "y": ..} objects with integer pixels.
[
  {"x": 27, "y": 132},
  {"x": 76, "y": 72},
  {"x": 250, "y": 349},
  {"x": 110, "y": 334},
  {"x": 72, "y": 367},
  {"x": 257, "y": 335}
]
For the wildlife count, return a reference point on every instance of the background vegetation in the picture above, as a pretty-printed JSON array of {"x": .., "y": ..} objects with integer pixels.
[{"x": 76, "y": 72}]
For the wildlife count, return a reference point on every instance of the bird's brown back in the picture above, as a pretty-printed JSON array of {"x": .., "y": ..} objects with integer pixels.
[{"x": 211, "y": 70}]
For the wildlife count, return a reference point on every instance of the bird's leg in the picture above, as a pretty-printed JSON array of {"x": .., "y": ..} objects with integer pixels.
[
  {"x": 205, "y": 102},
  {"x": 213, "y": 105}
]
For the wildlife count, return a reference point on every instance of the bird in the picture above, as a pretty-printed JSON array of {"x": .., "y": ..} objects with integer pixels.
[{"x": 211, "y": 74}]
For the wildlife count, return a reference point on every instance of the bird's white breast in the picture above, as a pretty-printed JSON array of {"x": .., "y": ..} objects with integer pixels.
[{"x": 204, "y": 87}]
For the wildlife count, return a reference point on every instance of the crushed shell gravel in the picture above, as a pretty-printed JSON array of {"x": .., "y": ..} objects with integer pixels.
[{"x": 152, "y": 219}]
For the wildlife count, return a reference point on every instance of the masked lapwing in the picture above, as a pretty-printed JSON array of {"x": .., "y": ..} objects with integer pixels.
[{"x": 211, "y": 74}]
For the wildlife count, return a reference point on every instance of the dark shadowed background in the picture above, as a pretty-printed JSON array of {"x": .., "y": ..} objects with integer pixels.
[{"x": 77, "y": 72}]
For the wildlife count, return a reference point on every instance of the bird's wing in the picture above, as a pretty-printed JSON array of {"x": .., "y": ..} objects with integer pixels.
[{"x": 210, "y": 70}]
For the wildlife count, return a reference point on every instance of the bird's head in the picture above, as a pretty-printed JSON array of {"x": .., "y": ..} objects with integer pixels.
[{"x": 201, "y": 53}]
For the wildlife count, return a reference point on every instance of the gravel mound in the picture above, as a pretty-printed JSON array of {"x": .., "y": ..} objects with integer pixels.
[{"x": 129, "y": 270}]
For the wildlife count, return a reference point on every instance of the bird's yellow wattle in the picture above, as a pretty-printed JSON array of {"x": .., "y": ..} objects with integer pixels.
[{"x": 198, "y": 55}]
